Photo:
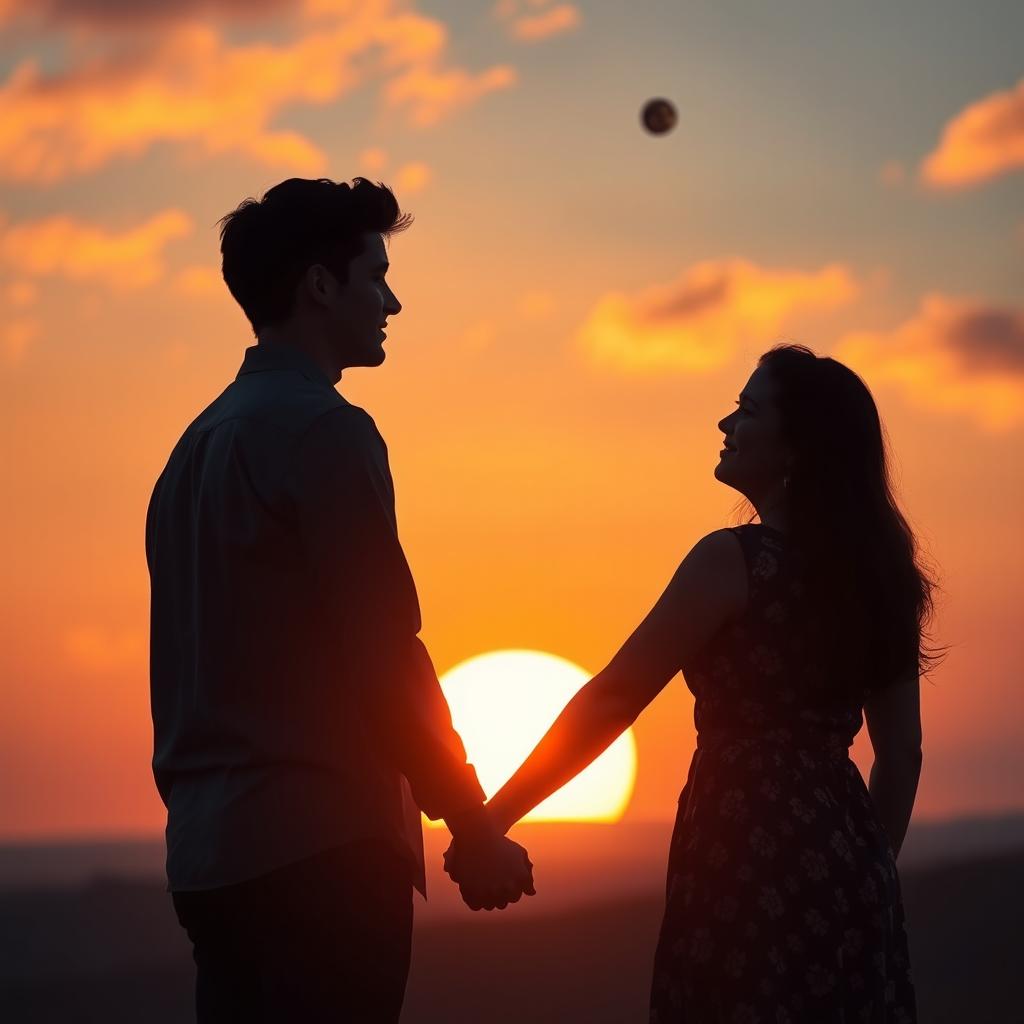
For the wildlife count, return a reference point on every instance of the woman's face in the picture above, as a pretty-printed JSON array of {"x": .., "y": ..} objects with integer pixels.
[{"x": 754, "y": 458}]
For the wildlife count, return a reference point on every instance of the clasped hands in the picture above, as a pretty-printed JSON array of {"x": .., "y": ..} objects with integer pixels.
[{"x": 490, "y": 869}]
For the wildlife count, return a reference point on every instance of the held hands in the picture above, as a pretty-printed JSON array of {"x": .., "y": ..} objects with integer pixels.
[{"x": 491, "y": 870}]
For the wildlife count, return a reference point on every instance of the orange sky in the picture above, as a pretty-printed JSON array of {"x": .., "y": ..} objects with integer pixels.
[{"x": 582, "y": 304}]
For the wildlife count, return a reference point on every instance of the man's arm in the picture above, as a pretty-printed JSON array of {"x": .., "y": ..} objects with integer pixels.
[{"x": 343, "y": 501}]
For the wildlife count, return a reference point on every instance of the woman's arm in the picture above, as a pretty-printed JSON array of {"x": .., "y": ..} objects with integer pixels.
[
  {"x": 708, "y": 589},
  {"x": 893, "y": 719}
]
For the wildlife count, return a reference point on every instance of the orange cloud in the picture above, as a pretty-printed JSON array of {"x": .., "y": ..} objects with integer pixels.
[
  {"x": 953, "y": 355},
  {"x": 187, "y": 85},
  {"x": 532, "y": 28},
  {"x": 412, "y": 177},
  {"x": 373, "y": 159},
  {"x": 66, "y": 246},
  {"x": 117, "y": 14},
  {"x": 697, "y": 322},
  {"x": 980, "y": 143},
  {"x": 200, "y": 281},
  {"x": 430, "y": 93}
]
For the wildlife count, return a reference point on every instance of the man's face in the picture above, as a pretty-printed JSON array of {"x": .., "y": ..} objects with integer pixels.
[{"x": 359, "y": 308}]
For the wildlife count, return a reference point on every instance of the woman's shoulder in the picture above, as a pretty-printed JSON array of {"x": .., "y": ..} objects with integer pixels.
[{"x": 764, "y": 551}]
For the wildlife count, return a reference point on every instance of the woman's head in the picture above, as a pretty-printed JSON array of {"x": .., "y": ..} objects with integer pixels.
[
  {"x": 810, "y": 447},
  {"x": 756, "y": 458}
]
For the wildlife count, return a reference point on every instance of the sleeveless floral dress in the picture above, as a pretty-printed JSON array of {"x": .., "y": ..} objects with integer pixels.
[{"x": 783, "y": 902}]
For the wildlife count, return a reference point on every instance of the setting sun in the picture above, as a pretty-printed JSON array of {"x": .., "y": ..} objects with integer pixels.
[{"x": 503, "y": 702}]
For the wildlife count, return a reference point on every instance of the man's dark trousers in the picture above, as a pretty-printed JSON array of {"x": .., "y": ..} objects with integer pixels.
[{"x": 327, "y": 938}]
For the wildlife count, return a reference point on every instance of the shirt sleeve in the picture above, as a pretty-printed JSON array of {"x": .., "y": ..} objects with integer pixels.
[{"x": 340, "y": 488}]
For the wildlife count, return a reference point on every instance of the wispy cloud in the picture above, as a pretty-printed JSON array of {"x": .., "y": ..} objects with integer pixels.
[
  {"x": 428, "y": 93},
  {"x": 953, "y": 356},
  {"x": 530, "y": 21},
  {"x": 982, "y": 142},
  {"x": 187, "y": 85},
  {"x": 698, "y": 321},
  {"x": 66, "y": 246}
]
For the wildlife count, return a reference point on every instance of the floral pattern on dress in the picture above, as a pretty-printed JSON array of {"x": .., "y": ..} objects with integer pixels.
[{"x": 783, "y": 901}]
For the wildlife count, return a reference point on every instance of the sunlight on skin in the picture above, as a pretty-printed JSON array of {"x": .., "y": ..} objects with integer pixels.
[{"x": 503, "y": 702}]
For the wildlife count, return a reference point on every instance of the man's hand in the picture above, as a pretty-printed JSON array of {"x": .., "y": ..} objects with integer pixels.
[{"x": 491, "y": 870}]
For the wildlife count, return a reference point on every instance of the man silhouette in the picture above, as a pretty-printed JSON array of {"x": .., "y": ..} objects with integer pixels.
[{"x": 299, "y": 726}]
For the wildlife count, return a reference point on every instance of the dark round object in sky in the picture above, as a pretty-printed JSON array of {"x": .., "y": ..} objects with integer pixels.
[{"x": 659, "y": 116}]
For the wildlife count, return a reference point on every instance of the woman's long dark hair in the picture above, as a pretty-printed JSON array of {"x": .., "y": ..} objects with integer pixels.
[{"x": 864, "y": 578}]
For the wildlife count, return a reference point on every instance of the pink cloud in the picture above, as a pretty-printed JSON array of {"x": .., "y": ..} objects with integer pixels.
[{"x": 982, "y": 142}]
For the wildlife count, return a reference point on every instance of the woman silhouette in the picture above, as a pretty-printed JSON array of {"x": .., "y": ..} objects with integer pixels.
[{"x": 783, "y": 900}]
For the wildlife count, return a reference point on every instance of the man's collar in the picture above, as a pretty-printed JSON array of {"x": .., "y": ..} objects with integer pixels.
[{"x": 269, "y": 355}]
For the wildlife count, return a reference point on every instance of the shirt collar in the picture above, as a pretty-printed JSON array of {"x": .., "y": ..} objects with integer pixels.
[{"x": 276, "y": 356}]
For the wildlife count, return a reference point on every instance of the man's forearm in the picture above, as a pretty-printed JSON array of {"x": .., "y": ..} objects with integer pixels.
[{"x": 893, "y": 787}]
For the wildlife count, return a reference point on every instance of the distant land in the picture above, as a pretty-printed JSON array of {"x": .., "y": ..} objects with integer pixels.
[{"x": 87, "y": 932}]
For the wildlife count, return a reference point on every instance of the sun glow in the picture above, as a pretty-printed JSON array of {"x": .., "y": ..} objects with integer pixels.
[{"x": 503, "y": 702}]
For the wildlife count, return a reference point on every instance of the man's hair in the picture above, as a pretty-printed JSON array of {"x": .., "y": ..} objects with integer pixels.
[{"x": 268, "y": 245}]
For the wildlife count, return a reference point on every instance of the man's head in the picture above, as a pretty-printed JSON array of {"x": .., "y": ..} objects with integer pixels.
[{"x": 306, "y": 263}]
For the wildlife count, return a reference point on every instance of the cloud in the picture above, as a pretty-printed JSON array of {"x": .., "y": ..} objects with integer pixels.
[
  {"x": 200, "y": 281},
  {"x": 412, "y": 177},
  {"x": 953, "y": 355},
  {"x": 66, "y": 246},
  {"x": 187, "y": 85},
  {"x": 697, "y": 322},
  {"x": 982, "y": 142},
  {"x": 131, "y": 14},
  {"x": 95, "y": 649},
  {"x": 372, "y": 159},
  {"x": 546, "y": 22},
  {"x": 429, "y": 93}
]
